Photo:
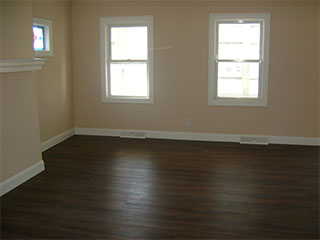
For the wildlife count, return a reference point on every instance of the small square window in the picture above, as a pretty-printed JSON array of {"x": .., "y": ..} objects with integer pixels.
[{"x": 42, "y": 37}]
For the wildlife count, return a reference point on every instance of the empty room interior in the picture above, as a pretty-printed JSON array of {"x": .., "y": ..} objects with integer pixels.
[{"x": 158, "y": 119}]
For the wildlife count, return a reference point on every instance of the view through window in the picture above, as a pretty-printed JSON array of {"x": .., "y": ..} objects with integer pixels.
[
  {"x": 128, "y": 64},
  {"x": 238, "y": 60}
]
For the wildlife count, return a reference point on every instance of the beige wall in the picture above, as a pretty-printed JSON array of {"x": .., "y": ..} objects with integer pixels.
[
  {"x": 181, "y": 71},
  {"x": 54, "y": 81},
  {"x": 20, "y": 137},
  {"x": 15, "y": 29}
]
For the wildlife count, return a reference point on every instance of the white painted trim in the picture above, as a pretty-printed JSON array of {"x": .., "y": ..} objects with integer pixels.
[
  {"x": 56, "y": 139},
  {"x": 309, "y": 141},
  {"x": 99, "y": 132},
  {"x": 21, "y": 65},
  {"x": 21, "y": 177},
  {"x": 211, "y": 137}
]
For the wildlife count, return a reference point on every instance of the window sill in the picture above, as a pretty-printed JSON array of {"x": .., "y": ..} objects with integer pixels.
[
  {"x": 238, "y": 102},
  {"x": 127, "y": 100},
  {"x": 43, "y": 53}
]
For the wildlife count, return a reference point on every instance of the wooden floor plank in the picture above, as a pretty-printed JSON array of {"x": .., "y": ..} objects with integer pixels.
[{"x": 103, "y": 187}]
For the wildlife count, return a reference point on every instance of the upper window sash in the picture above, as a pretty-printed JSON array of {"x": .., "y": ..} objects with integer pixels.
[
  {"x": 260, "y": 21},
  {"x": 110, "y": 53}
]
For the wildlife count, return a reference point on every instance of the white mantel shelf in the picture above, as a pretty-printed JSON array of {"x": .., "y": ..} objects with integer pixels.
[{"x": 21, "y": 65}]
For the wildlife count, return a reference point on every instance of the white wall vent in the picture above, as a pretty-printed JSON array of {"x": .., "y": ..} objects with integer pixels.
[
  {"x": 260, "y": 140},
  {"x": 139, "y": 135}
]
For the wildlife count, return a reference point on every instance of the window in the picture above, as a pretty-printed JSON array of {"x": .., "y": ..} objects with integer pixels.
[
  {"x": 238, "y": 59},
  {"x": 42, "y": 37},
  {"x": 127, "y": 59}
]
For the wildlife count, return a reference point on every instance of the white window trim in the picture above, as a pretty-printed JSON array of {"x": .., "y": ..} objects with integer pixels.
[
  {"x": 105, "y": 24},
  {"x": 262, "y": 100},
  {"x": 47, "y": 24}
]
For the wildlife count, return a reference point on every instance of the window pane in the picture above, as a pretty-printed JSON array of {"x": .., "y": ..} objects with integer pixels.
[
  {"x": 238, "y": 80},
  {"x": 239, "y": 41},
  {"x": 129, "y": 43},
  {"x": 129, "y": 79},
  {"x": 38, "y": 38}
]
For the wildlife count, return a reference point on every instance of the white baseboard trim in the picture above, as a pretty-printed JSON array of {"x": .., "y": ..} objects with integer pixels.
[
  {"x": 21, "y": 177},
  {"x": 308, "y": 141},
  {"x": 56, "y": 140},
  {"x": 211, "y": 137}
]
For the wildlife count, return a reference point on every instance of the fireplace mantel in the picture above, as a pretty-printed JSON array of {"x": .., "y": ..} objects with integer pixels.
[{"x": 21, "y": 65}]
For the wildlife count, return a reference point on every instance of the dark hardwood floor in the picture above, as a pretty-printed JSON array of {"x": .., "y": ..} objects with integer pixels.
[{"x": 101, "y": 187}]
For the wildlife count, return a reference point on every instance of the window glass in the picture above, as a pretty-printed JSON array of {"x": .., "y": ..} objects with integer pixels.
[
  {"x": 238, "y": 80},
  {"x": 129, "y": 79},
  {"x": 129, "y": 43},
  {"x": 239, "y": 41},
  {"x": 38, "y": 38}
]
